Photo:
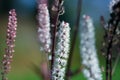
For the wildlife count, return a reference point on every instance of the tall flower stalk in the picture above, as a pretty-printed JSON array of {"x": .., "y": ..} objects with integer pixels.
[
  {"x": 111, "y": 32},
  {"x": 44, "y": 35},
  {"x": 62, "y": 52},
  {"x": 90, "y": 62},
  {"x": 44, "y": 27},
  {"x": 11, "y": 35}
]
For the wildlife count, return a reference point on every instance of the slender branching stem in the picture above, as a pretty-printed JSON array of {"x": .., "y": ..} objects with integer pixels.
[
  {"x": 112, "y": 24},
  {"x": 54, "y": 22},
  {"x": 109, "y": 54},
  {"x": 54, "y": 40}
]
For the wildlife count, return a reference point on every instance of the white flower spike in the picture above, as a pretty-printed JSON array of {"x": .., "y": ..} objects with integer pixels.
[
  {"x": 88, "y": 51},
  {"x": 62, "y": 52}
]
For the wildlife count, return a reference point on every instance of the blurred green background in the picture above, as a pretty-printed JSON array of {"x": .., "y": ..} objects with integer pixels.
[{"x": 27, "y": 54}]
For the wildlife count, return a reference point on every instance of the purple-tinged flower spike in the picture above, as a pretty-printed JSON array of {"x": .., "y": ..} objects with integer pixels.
[
  {"x": 62, "y": 52},
  {"x": 11, "y": 34},
  {"x": 44, "y": 27},
  {"x": 90, "y": 62},
  {"x": 112, "y": 3}
]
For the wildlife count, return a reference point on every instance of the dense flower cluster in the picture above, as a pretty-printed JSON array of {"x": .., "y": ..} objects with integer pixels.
[
  {"x": 44, "y": 28},
  {"x": 11, "y": 34},
  {"x": 88, "y": 51},
  {"x": 62, "y": 51}
]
